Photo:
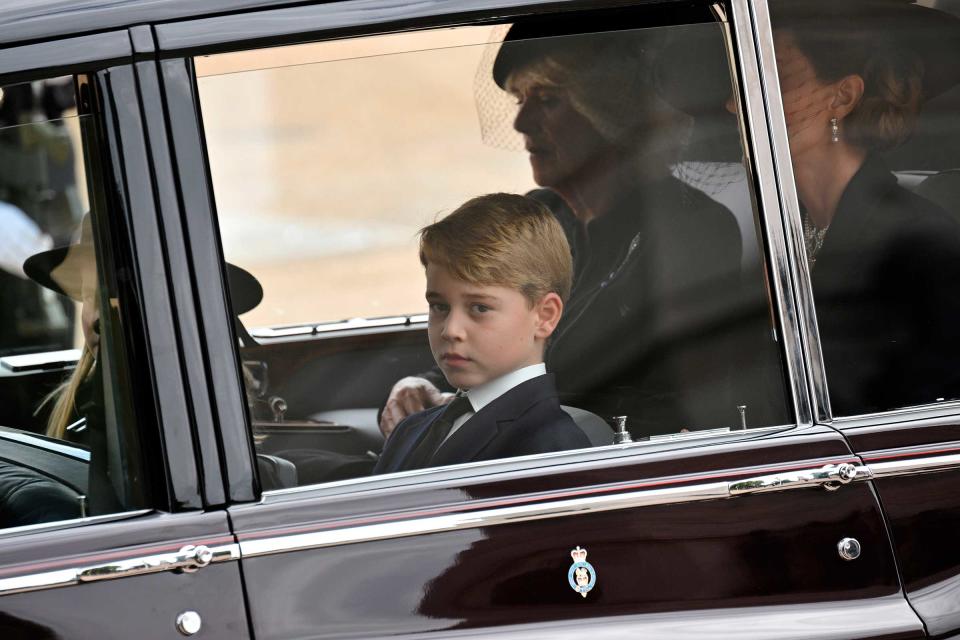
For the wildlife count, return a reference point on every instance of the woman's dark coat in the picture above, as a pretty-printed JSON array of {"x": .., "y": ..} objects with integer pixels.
[
  {"x": 886, "y": 284},
  {"x": 659, "y": 327}
]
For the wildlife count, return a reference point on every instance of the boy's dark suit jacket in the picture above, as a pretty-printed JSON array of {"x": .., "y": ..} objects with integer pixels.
[{"x": 526, "y": 419}]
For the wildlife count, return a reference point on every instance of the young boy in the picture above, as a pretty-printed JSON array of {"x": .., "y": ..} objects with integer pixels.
[{"x": 498, "y": 271}]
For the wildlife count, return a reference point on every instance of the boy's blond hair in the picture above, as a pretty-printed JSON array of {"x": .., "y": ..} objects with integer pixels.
[{"x": 502, "y": 239}]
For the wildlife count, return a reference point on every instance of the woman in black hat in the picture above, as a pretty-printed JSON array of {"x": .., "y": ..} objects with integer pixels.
[
  {"x": 71, "y": 271},
  {"x": 656, "y": 262},
  {"x": 884, "y": 262}
]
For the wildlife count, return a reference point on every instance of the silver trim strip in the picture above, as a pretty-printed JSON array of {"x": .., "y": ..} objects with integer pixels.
[
  {"x": 913, "y": 466},
  {"x": 530, "y": 463},
  {"x": 75, "y": 522},
  {"x": 6, "y": 433},
  {"x": 945, "y": 410},
  {"x": 336, "y": 326},
  {"x": 829, "y": 476},
  {"x": 483, "y": 518},
  {"x": 105, "y": 571},
  {"x": 360, "y": 323},
  {"x": 783, "y": 167},
  {"x": 282, "y": 332},
  {"x": 41, "y": 361},
  {"x": 751, "y": 109}
]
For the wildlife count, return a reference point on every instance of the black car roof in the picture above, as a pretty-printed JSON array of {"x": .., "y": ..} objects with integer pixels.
[{"x": 24, "y": 21}]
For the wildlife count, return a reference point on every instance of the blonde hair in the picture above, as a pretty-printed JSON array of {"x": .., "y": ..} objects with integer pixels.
[
  {"x": 64, "y": 396},
  {"x": 502, "y": 239},
  {"x": 611, "y": 83}
]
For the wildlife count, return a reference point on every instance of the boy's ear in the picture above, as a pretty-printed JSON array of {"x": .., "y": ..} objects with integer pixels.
[{"x": 548, "y": 310}]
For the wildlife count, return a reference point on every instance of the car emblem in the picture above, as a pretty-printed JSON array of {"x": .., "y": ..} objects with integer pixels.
[{"x": 581, "y": 576}]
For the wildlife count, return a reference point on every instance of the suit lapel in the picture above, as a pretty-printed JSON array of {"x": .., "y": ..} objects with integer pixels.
[
  {"x": 487, "y": 424},
  {"x": 410, "y": 437}
]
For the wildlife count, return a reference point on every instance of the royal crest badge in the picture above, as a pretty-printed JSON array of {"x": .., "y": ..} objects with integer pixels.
[{"x": 581, "y": 575}]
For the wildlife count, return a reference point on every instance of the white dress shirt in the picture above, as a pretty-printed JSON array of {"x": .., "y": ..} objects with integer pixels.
[{"x": 482, "y": 395}]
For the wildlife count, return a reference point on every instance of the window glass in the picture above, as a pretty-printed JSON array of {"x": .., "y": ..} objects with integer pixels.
[
  {"x": 871, "y": 99},
  {"x": 327, "y": 159},
  {"x": 68, "y": 443}
]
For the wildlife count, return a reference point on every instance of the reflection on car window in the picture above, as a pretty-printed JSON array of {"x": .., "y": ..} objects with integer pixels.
[
  {"x": 865, "y": 88},
  {"x": 323, "y": 180},
  {"x": 68, "y": 444}
]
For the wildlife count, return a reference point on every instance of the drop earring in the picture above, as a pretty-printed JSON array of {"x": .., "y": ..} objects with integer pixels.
[{"x": 834, "y": 130}]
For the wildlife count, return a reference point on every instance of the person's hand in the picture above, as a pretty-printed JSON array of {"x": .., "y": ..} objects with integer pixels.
[{"x": 408, "y": 396}]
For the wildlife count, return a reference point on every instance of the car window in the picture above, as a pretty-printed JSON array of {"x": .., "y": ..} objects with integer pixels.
[
  {"x": 69, "y": 446},
  {"x": 328, "y": 159},
  {"x": 870, "y": 98}
]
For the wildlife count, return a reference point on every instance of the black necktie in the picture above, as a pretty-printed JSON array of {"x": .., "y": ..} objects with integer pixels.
[{"x": 423, "y": 454}]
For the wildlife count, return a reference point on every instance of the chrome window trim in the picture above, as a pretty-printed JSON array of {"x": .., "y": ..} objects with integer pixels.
[
  {"x": 754, "y": 63},
  {"x": 42, "y": 361},
  {"x": 518, "y": 464},
  {"x": 74, "y": 522},
  {"x": 361, "y": 323},
  {"x": 349, "y": 327},
  {"x": 48, "y": 444},
  {"x": 948, "y": 410},
  {"x": 790, "y": 204}
]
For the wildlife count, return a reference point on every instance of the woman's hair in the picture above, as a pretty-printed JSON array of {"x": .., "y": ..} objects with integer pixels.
[
  {"x": 611, "y": 81},
  {"x": 839, "y": 42},
  {"x": 64, "y": 396}
]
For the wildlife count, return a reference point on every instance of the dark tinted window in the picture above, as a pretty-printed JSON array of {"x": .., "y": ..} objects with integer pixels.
[{"x": 327, "y": 159}]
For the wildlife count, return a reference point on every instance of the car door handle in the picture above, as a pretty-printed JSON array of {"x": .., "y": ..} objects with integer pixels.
[
  {"x": 830, "y": 477},
  {"x": 188, "y": 559}
]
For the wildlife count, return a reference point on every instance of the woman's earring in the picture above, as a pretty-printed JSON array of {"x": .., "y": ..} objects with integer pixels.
[{"x": 834, "y": 130}]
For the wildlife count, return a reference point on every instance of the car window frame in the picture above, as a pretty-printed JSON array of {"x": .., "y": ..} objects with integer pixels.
[
  {"x": 796, "y": 249},
  {"x": 179, "y": 42},
  {"x": 104, "y": 63}
]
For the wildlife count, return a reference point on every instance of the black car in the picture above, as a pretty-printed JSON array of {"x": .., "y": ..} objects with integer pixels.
[{"x": 211, "y": 288}]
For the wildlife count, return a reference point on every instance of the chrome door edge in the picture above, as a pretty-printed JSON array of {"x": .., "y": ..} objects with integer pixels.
[
  {"x": 829, "y": 476},
  {"x": 751, "y": 109},
  {"x": 134, "y": 565},
  {"x": 790, "y": 204}
]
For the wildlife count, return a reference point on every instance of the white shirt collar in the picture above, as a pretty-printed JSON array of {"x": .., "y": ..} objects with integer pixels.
[{"x": 482, "y": 395}]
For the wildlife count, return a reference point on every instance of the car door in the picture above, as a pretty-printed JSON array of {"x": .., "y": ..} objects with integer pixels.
[
  {"x": 907, "y": 446},
  {"x": 768, "y": 526},
  {"x": 112, "y": 522}
]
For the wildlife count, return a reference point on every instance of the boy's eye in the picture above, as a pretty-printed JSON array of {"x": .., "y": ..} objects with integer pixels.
[
  {"x": 439, "y": 307},
  {"x": 480, "y": 308}
]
